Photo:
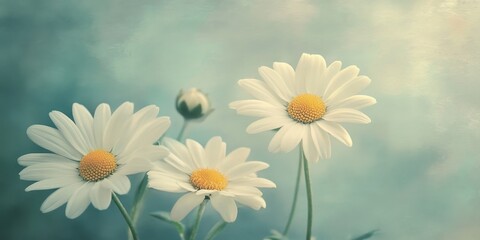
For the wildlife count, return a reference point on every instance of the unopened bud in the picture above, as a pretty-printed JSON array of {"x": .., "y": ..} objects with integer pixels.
[{"x": 193, "y": 104}]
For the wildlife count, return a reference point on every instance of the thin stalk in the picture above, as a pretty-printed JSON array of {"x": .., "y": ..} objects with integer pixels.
[
  {"x": 200, "y": 211},
  {"x": 125, "y": 215},
  {"x": 138, "y": 202},
  {"x": 309, "y": 197},
  {"x": 295, "y": 194},
  {"x": 216, "y": 229},
  {"x": 182, "y": 130}
]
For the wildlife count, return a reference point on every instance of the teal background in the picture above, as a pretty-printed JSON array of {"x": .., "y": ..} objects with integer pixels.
[{"x": 413, "y": 173}]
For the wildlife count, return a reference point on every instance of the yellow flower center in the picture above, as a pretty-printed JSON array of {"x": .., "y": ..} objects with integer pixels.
[
  {"x": 306, "y": 108},
  {"x": 97, "y": 165},
  {"x": 209, "y": 179}
]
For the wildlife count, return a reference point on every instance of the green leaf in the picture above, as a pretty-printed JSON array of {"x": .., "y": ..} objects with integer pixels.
[
  {"x": 366, "y": 235},
  {"x": 276, "y": 235},
  {"x": 164, "y": 216}
]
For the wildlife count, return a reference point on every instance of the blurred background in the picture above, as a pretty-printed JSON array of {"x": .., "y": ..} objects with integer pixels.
[{"x": 413, "y": 173}]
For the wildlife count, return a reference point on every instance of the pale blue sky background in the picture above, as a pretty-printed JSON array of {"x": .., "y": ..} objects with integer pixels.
[{"x": 413, "y": 173}]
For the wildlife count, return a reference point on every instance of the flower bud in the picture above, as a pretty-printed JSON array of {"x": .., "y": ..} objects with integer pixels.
[{"x": 193, "y": 104}]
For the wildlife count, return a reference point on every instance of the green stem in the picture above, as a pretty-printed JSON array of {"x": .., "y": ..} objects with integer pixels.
[
  {"x": 200, "y": 211},
  {"x": 125, "y": 215},
  {"x": 138, "y": 202},
  {"x": 182, "y": 130},
  {"x": 309, "y": 197},
  {"x": 295, "y": 194},
  {"x": 216, "y": 229}
]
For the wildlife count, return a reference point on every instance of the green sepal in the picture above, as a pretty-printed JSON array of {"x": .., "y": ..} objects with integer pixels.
[{"x": 195, "y": 113}]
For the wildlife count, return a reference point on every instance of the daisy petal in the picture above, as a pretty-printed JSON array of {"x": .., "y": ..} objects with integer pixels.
[
  {"x": 225, "y": 206},
  {"x": 153, "y": 153},
  {"x": 331, "y": 71},
  {"x": 310, "y": 145},
  {"x": 301, "y": 72},
  {"x": 287, "y": 138},
  {"x": 337, "y": 131},
  {"x": 268, "y": 123},
  {"x": 276, "y": 83},
  {"x": 293, "y": 137},
  {"x": 147, "y": 135},
  {"x": 116, "y": 123},
  {"x": 245, "y": 169},
  {"x": 43, "y": 171},
  {"x": 286, "y": 72},
  {"x": 339, "y": 79},
  {"x": 256, "y": 182},
  {"x": 255, "y": 202},
  {"x": 100, "y": 121},
  {"x": 51, "y": 183},
  {"x": 356, "y": 102},
  {"x": 215, "y": 150},
  {"x": 348, "y": 89},
  {"x": 118, "y": 183},
  {"x": 145, "y": 115},
  {"x": 184, "y": 205},
  {"x": 84, "y": 121},
  {"x": 178, "y": 164},
  {"x": 258, "y": 90},
  {"x": 36, "y": 158},
  {"x": 242, "y": 190},
  {"x": 187, "y": 186},
  {"x": 136, "y": 165},
  {"x": 69, "y": 131},
  {"x": 166, "y": 181},
  {"x": 52, "y": 140},
  {"x": 197, "y": 153},
  {"x": 205, "y": 192},
  {"x": 276, "y": 142},
  {"x": 79, "y": 201},
  {"x": 180, "y": 150},
  {"x": 167, "y": 186},
  {"x": 315, "y": 68},
  {"x": 257, "y": 108},
  {"x": 164, "y": 170},
  {"x": 348, "y": 115},
  {"x": 234, "y": 158},
  {"x": 59, "y": 197},
  {"x": 100, "y": 196},
  {"x": 324, "y": 144}
]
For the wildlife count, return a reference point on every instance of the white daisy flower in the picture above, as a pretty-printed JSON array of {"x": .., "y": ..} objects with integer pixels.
[
  {"x": 92, "y": 156},
  {"x": 306, "y": 104},
  {"x": 209, "y": 173}
]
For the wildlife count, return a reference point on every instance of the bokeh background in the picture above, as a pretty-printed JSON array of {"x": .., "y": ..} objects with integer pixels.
[{"x": 413, "y": 173}]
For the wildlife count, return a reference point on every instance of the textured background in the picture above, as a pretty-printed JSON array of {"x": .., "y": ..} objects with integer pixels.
[{"x": 413, "y": 173}]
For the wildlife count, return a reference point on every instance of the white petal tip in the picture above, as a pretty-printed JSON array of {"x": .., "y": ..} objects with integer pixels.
[{"x": 242, "y": 82}]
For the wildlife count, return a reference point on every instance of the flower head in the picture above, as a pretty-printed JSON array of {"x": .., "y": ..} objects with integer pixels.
[
  {"x": 209, "y": 173},
  {"x": 306, "y": 105},
  {"x": 91, "y": 156},
  {"x": 193, "y": 104}
]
